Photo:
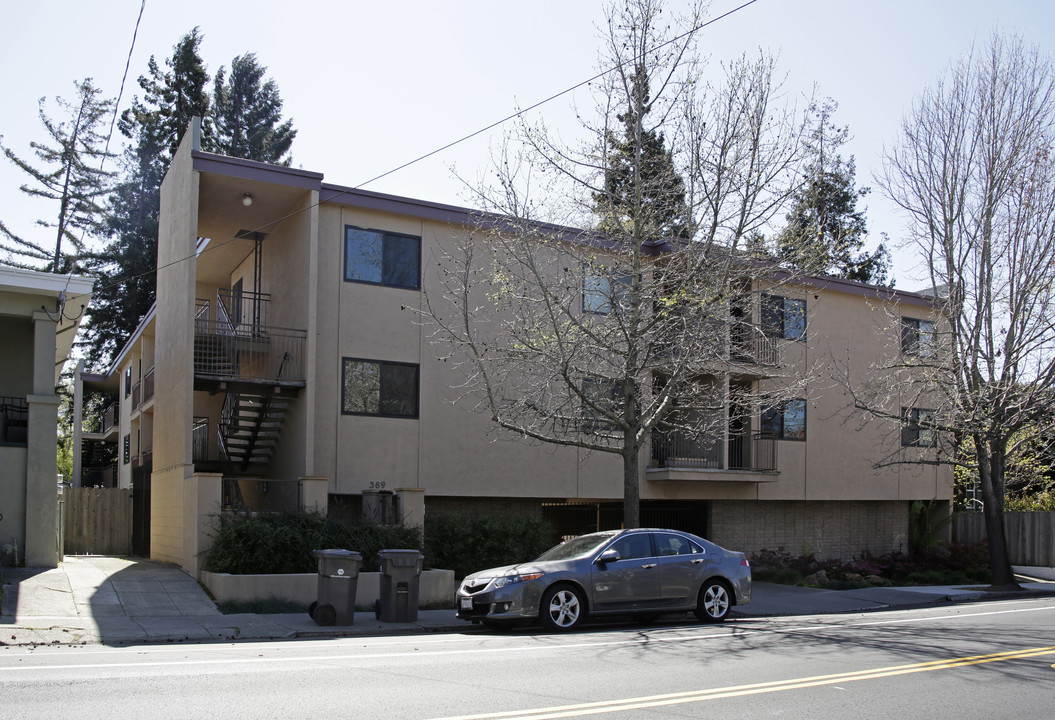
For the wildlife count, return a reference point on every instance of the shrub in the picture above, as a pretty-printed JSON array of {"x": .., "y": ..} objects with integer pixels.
[
  {"x": 945, "y": 564},
  {"x": 284, "y": 542},
  {"x": 468, "y": 543}
]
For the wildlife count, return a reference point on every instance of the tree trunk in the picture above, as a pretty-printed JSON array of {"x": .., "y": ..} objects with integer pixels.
[
  {"x": 991, "y": 477},
  {"x": 631, "y": 491}
]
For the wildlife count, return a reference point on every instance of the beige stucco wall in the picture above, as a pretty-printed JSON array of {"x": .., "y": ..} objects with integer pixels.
[
  {"x": 847, "y": 333},
  {"x": 447, "y": 450},
  {"x": 173, "y": 532},
  {"x": 12, "y": 501}
]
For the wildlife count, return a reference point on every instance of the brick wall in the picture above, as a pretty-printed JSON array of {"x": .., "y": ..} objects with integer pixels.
[{"x": 826, "y": 529}]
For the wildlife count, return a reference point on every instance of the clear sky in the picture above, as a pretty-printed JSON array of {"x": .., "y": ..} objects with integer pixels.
[{"x": 371, "y": 86}]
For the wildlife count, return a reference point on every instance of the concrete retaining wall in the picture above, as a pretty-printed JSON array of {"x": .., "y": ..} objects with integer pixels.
[{"x": 436, "y": 588}]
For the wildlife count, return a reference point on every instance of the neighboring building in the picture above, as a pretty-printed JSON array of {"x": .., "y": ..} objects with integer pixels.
[
  {"x": 39, "y": 316},
  {"x": 288, "y": 366}
]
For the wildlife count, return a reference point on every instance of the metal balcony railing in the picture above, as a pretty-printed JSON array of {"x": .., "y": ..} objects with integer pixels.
[
  {"x": 148, "y": 384},
  {"x": 225, "y": 348},
  {"x": 742, "y": 452},
  {"x": 109, "y": 418},
  {"x": 200, "y": 439}
]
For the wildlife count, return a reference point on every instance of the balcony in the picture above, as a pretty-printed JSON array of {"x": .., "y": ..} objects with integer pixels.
[
  {"x": 232, "y": 344},
  {"x": 674, "y": 452}
]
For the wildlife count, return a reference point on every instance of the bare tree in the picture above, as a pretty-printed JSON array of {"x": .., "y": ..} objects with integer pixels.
[
  {"x": 974, "y": 170},
  {"x": 599, "y": 338},
  {"x": 71, "y": 174}
]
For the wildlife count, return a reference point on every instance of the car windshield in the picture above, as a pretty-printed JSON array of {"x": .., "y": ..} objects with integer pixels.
[{"x": 577, "y": 547}]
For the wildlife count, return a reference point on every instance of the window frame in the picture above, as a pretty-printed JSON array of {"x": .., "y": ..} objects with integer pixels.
[
  {"x": 602, "y": 389},
  {"x": 381, "y": 364},
  {"x": 385, "y": 236},
  {"x": 912, "y": 337},
  {"x": 783, "y": 326},
  {"x": 603, "y": 288},
  {"x": 913, "y": 434},
  {"x": 779, "y": 413}
]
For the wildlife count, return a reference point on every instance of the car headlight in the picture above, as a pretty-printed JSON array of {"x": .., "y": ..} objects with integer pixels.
[{"x": 510, "y": 579}]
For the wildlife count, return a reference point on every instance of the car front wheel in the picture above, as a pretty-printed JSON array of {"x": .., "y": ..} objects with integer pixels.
[
  {"x": 563, "y": 608},
  {"x": 714, "y": 602}
]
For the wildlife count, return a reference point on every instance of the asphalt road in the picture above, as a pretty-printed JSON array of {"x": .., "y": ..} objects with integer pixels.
[{"x": 986, "y": 660}]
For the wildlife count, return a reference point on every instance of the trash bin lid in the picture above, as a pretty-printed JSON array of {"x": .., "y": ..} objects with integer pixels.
[
  {"x": 335, "y": 553},
  {"x": 400, "y": 553}
]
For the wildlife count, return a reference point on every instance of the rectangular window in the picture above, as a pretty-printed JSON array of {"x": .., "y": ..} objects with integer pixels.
[
  {"x": 128, "y": 381},
  {"x": 784, "y": 317},
  {"x": 602, "y": 291},
  {"x": 382, "y": 258},
  {"x": 917, "y": 337},
  {"x": 603, "y": 397},
  {"x": 372, "y": 387},
  {"x": 786, "y": 421},
  {"x": 917, "y": 428}
]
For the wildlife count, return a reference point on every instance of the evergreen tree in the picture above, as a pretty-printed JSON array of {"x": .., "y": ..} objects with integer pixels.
[
  {"x": 248, "y": 114},
  {"x": 71, "y": 175},
  {"x": 640, "y": 179},
  {"x": 826, "y": 231},
  {"x": 154, "y": 125}
]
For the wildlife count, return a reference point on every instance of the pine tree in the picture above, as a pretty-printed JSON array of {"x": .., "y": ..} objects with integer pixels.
[
  {"x": 826, "y": 231},
  {"x": 71, "y": 175},
  {"x": 660, "y": 205},
  {"x": 248, "y": 114},
  {"x": 155, "y": 125}
]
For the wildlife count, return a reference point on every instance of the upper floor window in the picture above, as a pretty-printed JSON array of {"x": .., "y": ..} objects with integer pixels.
[
  {"x": 917, "y": 427},
  {"x": 784, "y": 317},
  {"x": 382, "y": 258},
  {"x": 372, "y": 387},
  {"x": 603, "y": 397},
  {"x": 128, "y": 381},
  {"x": 786, "y": 421},
  {"x": 602, "y": 291},
  {"x": 917, "y": 337}
]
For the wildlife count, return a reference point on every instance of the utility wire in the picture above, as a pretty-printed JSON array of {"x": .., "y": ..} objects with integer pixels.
[{"x": 491, "y": 126}]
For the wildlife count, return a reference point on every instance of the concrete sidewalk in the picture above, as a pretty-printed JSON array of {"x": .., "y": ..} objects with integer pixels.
[{"x": 121, "y": 601}]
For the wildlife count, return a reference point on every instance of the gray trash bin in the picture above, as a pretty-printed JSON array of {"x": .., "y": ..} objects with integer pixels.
[
  {"x": 338, "y": 578},
  {"x": 400, "y": 573}
]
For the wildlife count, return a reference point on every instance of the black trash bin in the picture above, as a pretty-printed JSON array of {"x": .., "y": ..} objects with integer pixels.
[
  {"x": 338, "y": 578},
  {"x": 400, "y": 574}
]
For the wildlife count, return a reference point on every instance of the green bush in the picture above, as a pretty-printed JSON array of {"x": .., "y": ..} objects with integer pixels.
[
  {"x": 468, "y": 543},
  {"x": 284, "y": 542}
]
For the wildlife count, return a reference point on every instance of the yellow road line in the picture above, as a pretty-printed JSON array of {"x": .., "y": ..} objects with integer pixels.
[{"x": 609, "y": 706}]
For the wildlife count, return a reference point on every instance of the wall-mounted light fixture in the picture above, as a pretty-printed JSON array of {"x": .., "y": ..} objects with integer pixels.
[{"x": 247, "y": 199}]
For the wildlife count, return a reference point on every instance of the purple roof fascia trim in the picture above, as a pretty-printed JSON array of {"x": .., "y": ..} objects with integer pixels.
[
  {"x": 443, "y": 213},
  {"x": 256, "y": 171},
  {"x": 878, "y": 292}
]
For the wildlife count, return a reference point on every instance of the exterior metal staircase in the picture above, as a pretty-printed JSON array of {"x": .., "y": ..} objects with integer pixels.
[{"x": 250, "y": 426}]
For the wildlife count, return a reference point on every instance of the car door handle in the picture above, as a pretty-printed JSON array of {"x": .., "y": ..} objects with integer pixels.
[
  {"x": 697, "y": 561},
  {"x": 648, "y": 566}
]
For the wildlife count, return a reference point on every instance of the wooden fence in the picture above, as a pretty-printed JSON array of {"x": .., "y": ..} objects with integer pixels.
[
  {"x": 1030, "y": 535},
  {"x": 96, "y": 521}
]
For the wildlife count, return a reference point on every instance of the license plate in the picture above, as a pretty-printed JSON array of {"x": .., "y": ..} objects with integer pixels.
[{"x": 467, "y": 603}]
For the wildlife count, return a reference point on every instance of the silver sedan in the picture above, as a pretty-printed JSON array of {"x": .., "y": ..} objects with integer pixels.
[{"x": 641, "y": 572}]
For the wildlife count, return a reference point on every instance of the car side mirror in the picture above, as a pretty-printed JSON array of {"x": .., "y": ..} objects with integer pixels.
[{"x": 609, "y": 555}]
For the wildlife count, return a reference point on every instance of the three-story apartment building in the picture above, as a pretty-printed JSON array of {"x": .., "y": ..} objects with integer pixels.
[{"x": 284, "y": 364}]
